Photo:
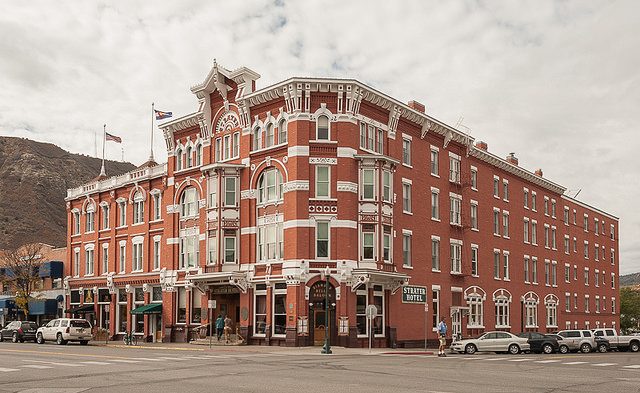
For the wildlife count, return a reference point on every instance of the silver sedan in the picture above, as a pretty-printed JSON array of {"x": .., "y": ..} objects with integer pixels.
[{"x": 491, "y": 342}]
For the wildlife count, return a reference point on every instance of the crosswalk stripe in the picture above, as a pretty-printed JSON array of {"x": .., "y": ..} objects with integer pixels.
[
  {"x": 632, "y": 366},
  {"x": 124, "y": 361},
  {"x": 170, "y": 358},
  {"x": 149, "y": 359},
  {"x": 96, "y": 363},
  {"x": 495, "y": 359},
  {"x": 546, "y": 361},
  {"x": 520, "y": 360},
  {"x": 37, "y": 366},
  {"x": 474, "y": 358},
  {"x": 7, "y": 370},
  {"x": 604, "y": 364},
  {"x": 574, "y": 363}
]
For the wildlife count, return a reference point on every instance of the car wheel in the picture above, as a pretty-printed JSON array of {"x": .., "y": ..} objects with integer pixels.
[
  {"x": 40, "y": 339},
  {"x": 585, "y": 348},
  {"x": 470, "y": 349},
  {"x": 14, "y": 338},
  {"x": 602, "y": 348},
  {"x": 514, "y": 349},
  {"x": 563, "y": 349},
  {"x": 633, "y": 347},
  {"x": 60, "y": 340},
  {"x": 84, "y": 342},
  {"x": 547, "y": 349}
]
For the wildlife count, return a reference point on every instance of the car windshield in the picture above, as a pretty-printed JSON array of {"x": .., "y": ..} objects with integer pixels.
[
  {"x": 80, "y": 323},
  {"x": 30, "y": 325}
]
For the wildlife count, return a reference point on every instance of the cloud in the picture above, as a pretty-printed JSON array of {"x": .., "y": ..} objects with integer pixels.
[{"x": 554, "y": 81}]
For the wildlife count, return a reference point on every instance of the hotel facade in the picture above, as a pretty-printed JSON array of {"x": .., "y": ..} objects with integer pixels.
[{"x": 275, "y": 199}]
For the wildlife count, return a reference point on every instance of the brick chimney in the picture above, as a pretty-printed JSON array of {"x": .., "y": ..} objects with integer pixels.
[
  {"x": 511, "y": 159},
  {"x": 482, "y": 145},
  {"x": 538, "y": 172},
  {"x": 416, "y": 106}
]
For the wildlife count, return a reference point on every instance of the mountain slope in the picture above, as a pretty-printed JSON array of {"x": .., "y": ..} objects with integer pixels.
[
  {"x": 630, "y": 280},
  {"x": 34, "y": 178}
]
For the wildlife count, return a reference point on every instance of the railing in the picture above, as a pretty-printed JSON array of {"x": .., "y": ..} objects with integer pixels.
[{"x": 118, "y": 181}]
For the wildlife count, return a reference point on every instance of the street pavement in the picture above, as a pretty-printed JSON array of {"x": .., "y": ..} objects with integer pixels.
[{"x": 169, "y": 368}]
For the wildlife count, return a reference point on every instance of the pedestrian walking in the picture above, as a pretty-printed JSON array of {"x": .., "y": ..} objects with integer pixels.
[
  {"x": 442, "y": 332},
  {"x": 219, "y": 326}
]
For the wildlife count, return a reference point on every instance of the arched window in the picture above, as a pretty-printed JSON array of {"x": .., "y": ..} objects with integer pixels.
[
  {"x": 282, "y": 130},
  {"x": 189, "y": 157},
  {"x": 322, "y": 132},
  {"x": 501, "y": 299},
  {"x": 270, "y": 186},
  {"x": 199, "y": 154},
  {"x": 90, "y": 218},
  {"x": 188, "y": 202},
  {"x": 475, "y": 297},
  {"x": 138, "y": 208},
  {"x": 269, "y": 136},
  {"x": 551, "y": 305},
  {"x": 530, "y": 301},
  {"x": 257, "y": 138},
  {"x": 179, "y": 159}
]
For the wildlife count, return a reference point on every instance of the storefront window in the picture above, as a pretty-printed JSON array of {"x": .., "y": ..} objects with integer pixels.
[
  {"x": 182, "y": 305},
  {"x": 260, "y": 302},
  {"x": 280, "y": 309},
  {"x": 361, "y": 309},
  {"x": 156, "y": 294}
]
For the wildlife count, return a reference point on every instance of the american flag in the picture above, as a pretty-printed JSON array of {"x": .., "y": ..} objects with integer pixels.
[
  {"x": 114, "y": 138},
  {"x": 162, "y": 115}
]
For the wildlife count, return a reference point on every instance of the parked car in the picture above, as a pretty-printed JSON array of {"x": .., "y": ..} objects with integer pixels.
[
  {"x": 579, "y": 340},
  {"x": 492, "y": 342},
  {"x": 541, "y": 343},
  {"x": 602, "y": 344},
  {"x": 19, "y": 331},
  {"x": 562, "y": 346},
  {"x": 622, "y": 343},
  {"x": 63, "y": 330}
]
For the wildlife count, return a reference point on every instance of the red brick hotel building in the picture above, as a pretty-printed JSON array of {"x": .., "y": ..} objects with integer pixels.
[{"x": 267, "y": 190}]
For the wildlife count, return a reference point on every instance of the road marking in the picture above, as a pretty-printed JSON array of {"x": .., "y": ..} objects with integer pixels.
[
  {"x": 53, "y": 363},
  {"x": 604, "y": 364},
  {"x": 7, "y": 370},
  {"x": 575, "y": 363},
  {"x": 520, "y": 360},
  {"x": 196, "y": 357},
  {"x": 148, "y": 359},
  {"x": 96, "y": 363},
  {"x": 632, "y": 366},
  {"x": 494, "y": 359},
  {"x": 37, "y": 366},
  {"x": 169, "y": 358},
  {"x": 546, "y": 361},
  {"x": 474, "y": 358},
  {"x": 124, "y": 360}
]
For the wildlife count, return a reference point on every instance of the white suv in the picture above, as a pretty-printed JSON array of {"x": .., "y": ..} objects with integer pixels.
[{"x": 63, "y": 330}]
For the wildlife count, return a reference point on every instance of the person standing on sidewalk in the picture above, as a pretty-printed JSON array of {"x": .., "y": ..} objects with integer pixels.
[
  {"x": 219, "y": 326},
  {"x": 442, "y": 332},
  {"x": 227, "y": 328}
]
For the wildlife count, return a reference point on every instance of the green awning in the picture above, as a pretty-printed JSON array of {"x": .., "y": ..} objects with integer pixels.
[{"x": 153, "y": 308}]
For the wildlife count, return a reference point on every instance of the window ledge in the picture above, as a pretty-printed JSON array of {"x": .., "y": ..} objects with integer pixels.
[
  {"x": 456, "y": 273},
  {"x": 89, "y": 232},
  {"x": 122, "y": 226},
  {"x": 89, "y": 275},
  {"x": 137, "y": 224},
  {"x": 474, "y": 189},
  {"x": 406, "y": 212},
  {"x": 136, "y": 271},
  {"x": 475, "y": 275},
  {"x": 407, "y": 165},
  {"x": 156, "y": 221},
  {"x": 435, "y": 271},
  {"x": 475, "y": 229},
  {"x": 496, "y": 196},
  {"x": 506, "y": 200},
  {"x": 435, "y": 175},
  {"x": 104, "y": 230},
  {"x": 407, "y": 267},
  {"x": 435, "y": 219},
  {"x": 475, "y": 326},
  {"x": 324, "y": 141},
  {"x": 506, "y": 279},
  {"x": 321, "y": 199}
]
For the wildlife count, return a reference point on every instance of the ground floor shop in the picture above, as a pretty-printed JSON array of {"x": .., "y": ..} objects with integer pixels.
[{"x": 351, "y": 311}]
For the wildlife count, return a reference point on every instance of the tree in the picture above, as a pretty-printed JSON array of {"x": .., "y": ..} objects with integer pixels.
[
  {"x": 629, "y": 308},
  {"x": 19, "y": 272}
]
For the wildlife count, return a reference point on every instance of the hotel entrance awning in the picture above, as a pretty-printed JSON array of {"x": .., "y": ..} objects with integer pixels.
[
  {"x": 393, "y": 280},
  {"x": 235, "y": 278}
]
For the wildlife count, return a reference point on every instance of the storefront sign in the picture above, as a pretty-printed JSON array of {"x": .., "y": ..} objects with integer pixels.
[
  {"x": 414, "y": 294},
  {"x": 225, "y": 289}
]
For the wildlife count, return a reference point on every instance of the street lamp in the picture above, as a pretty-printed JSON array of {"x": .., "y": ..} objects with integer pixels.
[{"x": 326, "y": 349}]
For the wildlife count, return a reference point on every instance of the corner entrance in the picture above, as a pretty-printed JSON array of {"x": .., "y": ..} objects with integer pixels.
[{"x": 318, "y": 312}]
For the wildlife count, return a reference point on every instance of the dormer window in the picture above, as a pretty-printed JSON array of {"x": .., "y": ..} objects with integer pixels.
[{"x": 322, "y": 132}]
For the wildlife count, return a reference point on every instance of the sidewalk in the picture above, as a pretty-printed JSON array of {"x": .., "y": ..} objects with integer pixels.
[{"x": 267, "y": 349}]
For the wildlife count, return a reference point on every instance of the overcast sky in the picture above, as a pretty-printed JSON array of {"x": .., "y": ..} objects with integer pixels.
[{"x": 558, "y": 83}]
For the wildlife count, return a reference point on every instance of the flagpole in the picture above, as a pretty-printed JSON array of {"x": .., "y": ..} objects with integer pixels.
[
  {"x": 104, "y": 142},
  {"x": 151, "y": 149}
]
